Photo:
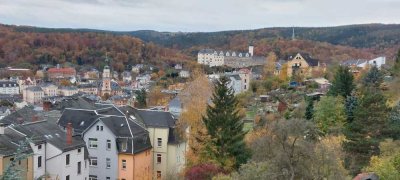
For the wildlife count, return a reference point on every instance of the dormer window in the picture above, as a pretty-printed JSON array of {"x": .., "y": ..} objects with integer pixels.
[{"x": 124, "y": 146}]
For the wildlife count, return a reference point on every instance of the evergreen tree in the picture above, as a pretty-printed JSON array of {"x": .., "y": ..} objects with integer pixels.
[
  {"x": 367, "y": 128},
  {"x": 225, "y": 127},
  {"x": 350, "y": 105},
  {"x": 12, "y": 171},
  {"x": 141, "y": 96},
  {"x": 394, "y": 122},
  {"x": 309, "y": 109},
  {"x": 342, "y": 83},
  {"x": 373, "y": 79}
]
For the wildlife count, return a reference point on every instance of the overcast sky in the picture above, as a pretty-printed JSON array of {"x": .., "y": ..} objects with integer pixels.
[{"x": 196, "y": 15}]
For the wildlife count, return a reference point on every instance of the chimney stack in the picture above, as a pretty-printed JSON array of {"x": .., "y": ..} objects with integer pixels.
[
  {"x": 69, "y": 133},
  {"x": 2, "y": 127},
  {"x": 35, "y": 118}
]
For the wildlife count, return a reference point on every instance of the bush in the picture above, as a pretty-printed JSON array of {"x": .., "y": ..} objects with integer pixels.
[{"x": 203, "y": 172}]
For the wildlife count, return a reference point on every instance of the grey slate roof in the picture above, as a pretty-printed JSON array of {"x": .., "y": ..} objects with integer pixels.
[
  {"x": 10, "y": 141},
  {"x": 8, "y": 83},
  {"x": 152, "y": 118},
  {"x": 176, "y": 102},
  {"x": 81, "y": 119},
  {"x": 206, "y": 51},
  {"x": 115, "y": 120},
  {"x": 74, "y": 102},
  {"x": 26, "y": 114},
  {"x": 44, "y": 131},
  {"x": 354, "y": 62},
  {"x": 34, "y": 88}
]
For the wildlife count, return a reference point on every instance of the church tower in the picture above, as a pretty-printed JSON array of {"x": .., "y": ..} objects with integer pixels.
[{"x": 106, "y": 86}]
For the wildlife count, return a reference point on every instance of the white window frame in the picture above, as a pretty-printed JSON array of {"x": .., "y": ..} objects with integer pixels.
[{"x": 93, "y": 143}]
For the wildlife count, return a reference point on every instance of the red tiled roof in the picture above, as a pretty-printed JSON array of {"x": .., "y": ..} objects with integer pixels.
[{"x": 62, "y": 70}]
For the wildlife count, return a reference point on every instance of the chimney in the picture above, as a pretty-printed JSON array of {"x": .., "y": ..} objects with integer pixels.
[
  {"x": 251, "y": 50},
  {"x": 46, "y": 105},
  {"x": 35, "y": 118},
  {"x": 69, "y": 133},
  {"x": 2, "y": 127}
]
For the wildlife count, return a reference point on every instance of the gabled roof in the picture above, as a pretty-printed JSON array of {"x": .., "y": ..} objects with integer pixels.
[
  {"x": 10, "y": 142},
  {"x": 44, "y": 131},
  {"x": 81, "y": 119},
  {"x": 26, "y": 114},
  {"x": 121, "y": 127},
  {"x": 152, "y": 118},
  {"x": 311, "y": 61}
]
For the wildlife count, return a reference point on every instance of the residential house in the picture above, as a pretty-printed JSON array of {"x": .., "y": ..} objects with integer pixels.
[
  {"x": 56, "y": 154},
  {"x": 61, "y": 73},
  {"x": 33, "y": 94},
  {"x": 184, "y": 74},
  {"x": 119, "y": 100},
  {"x": 119, "y": 147},
  {"x": 126, "y": 76},
  {"x": 88, "y": 89},
  {"x": 50, "y": 90},
  {"x": 136, "y": 69},
  {"x": 245, "y": 76},
  {"x": 235, "y": 83},
  {"x": 359, "y": 64},
  {"x": 10, "y": 145},
  {"x": 178, "y": 66},
  {"x": 9, "y": 87},
  {"x": 67, "y": 91},
  {"x": 24, "y": 83},
  {"x": 4, "y": 111},
  {"x": 175, "y": 106},
  {"x": 168, "y": 148},
  {"x": 303, "y": 65}
]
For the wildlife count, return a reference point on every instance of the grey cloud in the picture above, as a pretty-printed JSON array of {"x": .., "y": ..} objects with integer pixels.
[{"x": 195, "y": 15}]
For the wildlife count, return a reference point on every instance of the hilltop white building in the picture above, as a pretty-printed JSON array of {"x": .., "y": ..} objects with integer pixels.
[{"x": 213, "y": 58}]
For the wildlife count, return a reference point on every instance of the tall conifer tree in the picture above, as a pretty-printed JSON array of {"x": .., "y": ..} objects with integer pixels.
[
  {"x": 342, "y": 83},
  {"x": 225, "y": 127}
]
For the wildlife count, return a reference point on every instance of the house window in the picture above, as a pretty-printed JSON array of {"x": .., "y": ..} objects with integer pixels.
[
  {"x": 92, "y": 177},
  {"x": 158, "y": 158},
  {"x": 67, "y": 177},
  {"x": 101, "y": 128},
  {"x": 108, "y": 163},
  {"x": 123, "y": 164},
  {"x": 79, "y": 150},
  {"x": 39, "y": 162},
  {"x": 39, "y": 147},
  {"x": 158, "y": 174},
  {"x": 79, "y": 167},
  {"x": 93, "y": 161},
  {"x": 108, "y": 144},
  {"x": 67, "y": 159},
  {"x": 159, "y": 142},
  {"x": 108, "y": 178},
  {"x": 92, "y": 142},
  {"x": 97, "y": 128}
]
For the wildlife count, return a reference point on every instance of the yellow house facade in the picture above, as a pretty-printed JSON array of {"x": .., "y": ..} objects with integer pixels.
[
  {"x": 303, "y": 66},
  {"x": 26, "y": 166}
]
